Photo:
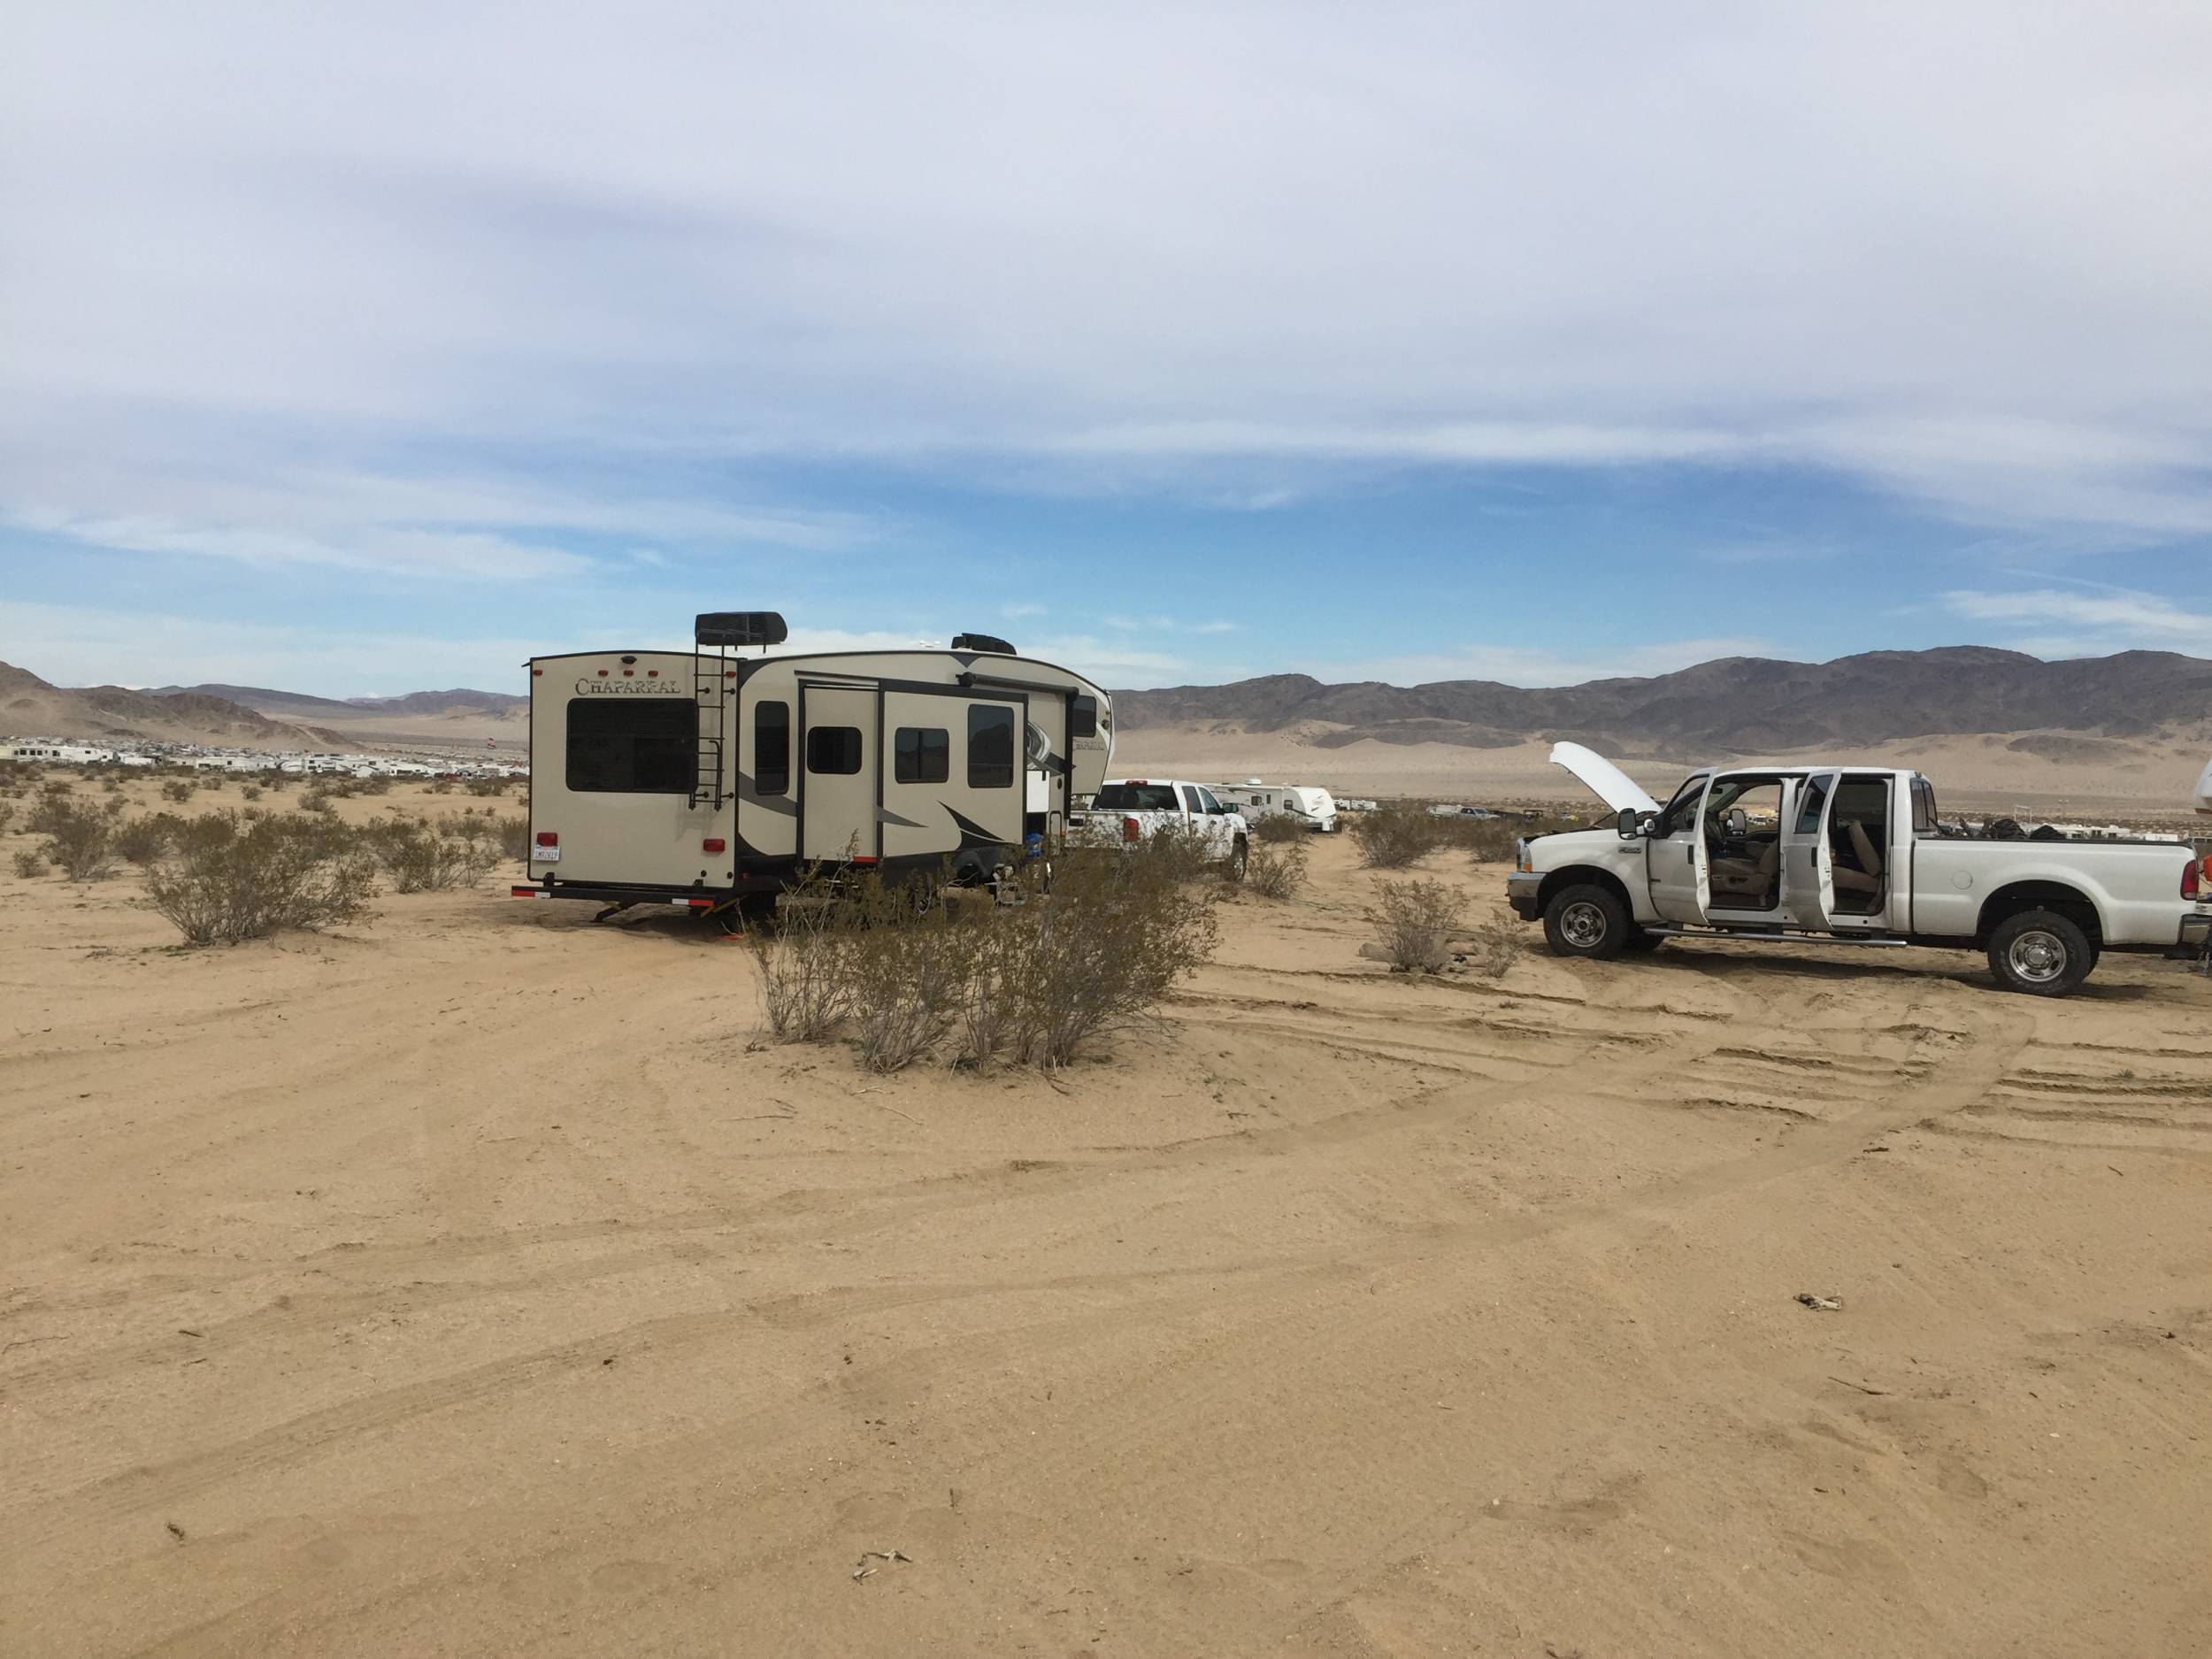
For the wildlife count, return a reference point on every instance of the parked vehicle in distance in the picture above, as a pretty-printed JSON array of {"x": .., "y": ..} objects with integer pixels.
[
  {"x": 1130, "y": 812},
  {"x": 1849, "y": 853},
  {"x": 1312, "y": 806}
]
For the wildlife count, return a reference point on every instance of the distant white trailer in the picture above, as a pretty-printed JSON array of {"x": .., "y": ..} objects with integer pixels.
[
  {"x": 2204, "y": 790},
  {"x": 1312, "y": 806}
]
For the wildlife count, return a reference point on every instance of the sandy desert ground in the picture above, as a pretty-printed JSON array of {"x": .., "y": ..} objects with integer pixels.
[{"x": 469, "y": 1282}]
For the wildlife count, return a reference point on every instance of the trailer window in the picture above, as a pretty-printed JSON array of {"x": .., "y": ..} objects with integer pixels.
[
  {"x": 922, "y": 755},
  {"x": 1083, "y": 718},
  {"x": 833, "y": 749},
  {"x": 990, "y": 746},
  {"x": 771, "y": 748},
  {"x": 632, "y": 745}
]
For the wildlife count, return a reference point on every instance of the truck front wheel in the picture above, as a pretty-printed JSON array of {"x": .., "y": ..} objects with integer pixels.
[
  {"x": 2040, "y": 953},
  {"x": 1238, "y": 855},
  {"x": 1587, "y": 920}
]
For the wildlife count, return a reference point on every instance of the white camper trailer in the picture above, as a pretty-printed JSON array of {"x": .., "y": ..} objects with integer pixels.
[
  {"x": 1312, "y": 806},
  {"x": 700, "y": 778}
]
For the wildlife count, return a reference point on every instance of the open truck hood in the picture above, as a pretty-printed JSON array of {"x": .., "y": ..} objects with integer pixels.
[{"x": 1606, "y": 780}]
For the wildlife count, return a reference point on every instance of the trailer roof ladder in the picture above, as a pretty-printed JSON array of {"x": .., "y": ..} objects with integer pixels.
[{"x": 715, "y": 684}]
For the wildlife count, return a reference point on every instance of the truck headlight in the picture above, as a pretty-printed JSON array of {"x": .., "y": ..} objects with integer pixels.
[{"x": 1520, "y": 855}]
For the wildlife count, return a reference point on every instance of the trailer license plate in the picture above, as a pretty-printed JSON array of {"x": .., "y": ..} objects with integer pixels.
[{"x": 546, "y": 855}]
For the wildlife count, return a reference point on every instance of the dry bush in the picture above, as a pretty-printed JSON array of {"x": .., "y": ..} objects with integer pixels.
[
  {"x": 143, "y": 840},
  {"x": 1396, "y": 834},
  {"x": 805, "y": 964},
  {"x": 420, "y": 861},
  {"x": 1277, "y": 872},
  {"x": 1278, "y": 827},
  {"x": 226, "y": 879},
  {"x": 79, "y": 841},
  {"x": 29, "y": 863},
  {"x": 490, "y": 788},
  {"x": 7, "y": 816},
  {"x": 441, "y": 785},
  {"x": 176, "y": 790},
  {"x": 1175, "y": 852},
  {"x": 1099, "y": 951},
  {"x": 252, "y": 792},
  {"x": 317, "y": 800},
  {"x": 1494, "y": 945},
  {"x": 214, "y": 781},
  {"x": 908, "y": 967},
  {"x": 514, "y": 836},
  {"x": 1417, "y": 919}
]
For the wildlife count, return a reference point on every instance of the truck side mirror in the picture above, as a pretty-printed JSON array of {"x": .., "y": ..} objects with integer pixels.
[{"x": 1630, "y": 823}]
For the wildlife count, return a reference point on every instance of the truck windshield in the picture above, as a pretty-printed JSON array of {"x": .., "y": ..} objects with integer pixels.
[{"x": 1138, "y": 797}]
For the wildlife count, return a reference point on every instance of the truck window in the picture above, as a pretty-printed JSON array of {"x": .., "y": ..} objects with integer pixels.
[
  {"x": 1682, "y": 810},
  {"x": 921, "y": 755},
  {"x": 833, "y": 749},
  {"x": 1190, "y": 800},
  {"x": 1136, "y": 798},
  {"x": 1810, "y": 801},
  {"x": 771, "y": 748},
  {"x": 990, "y": 746},
  {"x": 1082, "y": 716},
  {"x": 1206, "y": 799},
  {"x": 1923, "y": 807},
  {"x": 632, "y": 745}
]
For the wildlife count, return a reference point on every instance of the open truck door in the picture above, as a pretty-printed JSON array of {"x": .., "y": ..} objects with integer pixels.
[{"x": 1808, "y": 869}]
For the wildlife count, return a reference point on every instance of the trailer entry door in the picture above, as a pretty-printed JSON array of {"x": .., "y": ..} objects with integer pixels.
[{"x": 837, "y": 762}]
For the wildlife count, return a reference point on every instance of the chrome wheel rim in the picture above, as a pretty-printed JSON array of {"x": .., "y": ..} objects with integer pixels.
[
  {"x": 1582, "y": 925},
  {"x": 2037, "y": 956}
]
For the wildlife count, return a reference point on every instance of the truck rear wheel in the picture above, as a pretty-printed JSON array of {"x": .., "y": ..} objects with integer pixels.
[
  {"x": 1587, "y": 920},
  {"x": 2040, "y": 953}
]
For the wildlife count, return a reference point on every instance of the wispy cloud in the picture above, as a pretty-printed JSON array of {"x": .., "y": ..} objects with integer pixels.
[{"x": 2070, "y": 623}]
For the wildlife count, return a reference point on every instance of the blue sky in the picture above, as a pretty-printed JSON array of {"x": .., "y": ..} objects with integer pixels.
[{"x": 358, "y": 354}]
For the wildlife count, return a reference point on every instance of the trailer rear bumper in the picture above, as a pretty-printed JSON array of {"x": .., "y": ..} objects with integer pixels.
[{"x": 685, "y": 899}]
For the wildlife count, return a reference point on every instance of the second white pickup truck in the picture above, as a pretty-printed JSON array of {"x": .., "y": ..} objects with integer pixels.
[
  {"x": 1132, "y": 811},
  {"x": 1849, "y": 853}
]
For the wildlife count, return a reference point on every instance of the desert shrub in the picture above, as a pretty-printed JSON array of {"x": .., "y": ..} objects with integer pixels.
[
  {"x": 441, "y": 785},
  {"x": 1494, "y": 945},
  {"x": 112, "y": 787},
  {"x": 1416, "y": 920},
  {"x": 489, "y": 788},
  {"x": 908, "y": 967},
  {"x": 143, "y": 840},
  {"x": 317, "y": 800},
  {"x": 1395, "y": 834},
  {"x": 421, "y": 861},
  {"x": 514, "y": 836},
  {"x": 1277, "y": 872},
  {"x": 7, "y": 816},
  {"x": 1278, "y": 827},
  {"x": 213, "y": 780},
  {"x": 252, "y": 791},
  {"x": 226, "y": 880},
  {"x": 375, "y": 783},
  {"x": 1100, "y": 951},
  {"x": 80, "y": 842},
  {"x": 176, "y": 789},
  {"x": 56, "y": 787},
  {"x": 806, "y": 979},
  {"x": 29, "y": 863}
]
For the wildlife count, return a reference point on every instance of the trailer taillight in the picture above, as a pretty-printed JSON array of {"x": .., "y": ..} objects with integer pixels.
[
  {"x": 1131, "y": 831},
  {"x": 712, "y": 844},
  {"x": 548, "y": 838}
]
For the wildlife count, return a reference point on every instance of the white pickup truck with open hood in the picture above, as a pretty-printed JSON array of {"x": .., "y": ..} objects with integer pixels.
[{"x": 1849, "y": 853}]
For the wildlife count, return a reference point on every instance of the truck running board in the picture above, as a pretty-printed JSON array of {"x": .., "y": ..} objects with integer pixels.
[{"x": 1767, "y": 936}]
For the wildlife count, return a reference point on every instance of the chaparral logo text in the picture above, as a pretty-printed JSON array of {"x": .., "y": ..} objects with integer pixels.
[{"x": 631, "y": 688}]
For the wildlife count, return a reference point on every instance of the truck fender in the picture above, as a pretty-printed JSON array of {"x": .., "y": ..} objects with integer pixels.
[
  {"x": 1576, "y": 875},
  {"x": 2081, "y": 903}
]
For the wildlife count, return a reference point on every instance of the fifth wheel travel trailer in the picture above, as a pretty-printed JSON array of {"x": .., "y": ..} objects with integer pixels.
[{"x": 703, "y": 777}]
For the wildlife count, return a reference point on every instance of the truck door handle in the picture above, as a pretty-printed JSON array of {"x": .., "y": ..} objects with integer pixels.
[{"x": 1689, "y": 856}]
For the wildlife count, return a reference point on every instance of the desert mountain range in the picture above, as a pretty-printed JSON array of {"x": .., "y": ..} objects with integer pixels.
[
  {"x": 1737, "y": 704},
  {"x": 1998, "y": 723}
]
